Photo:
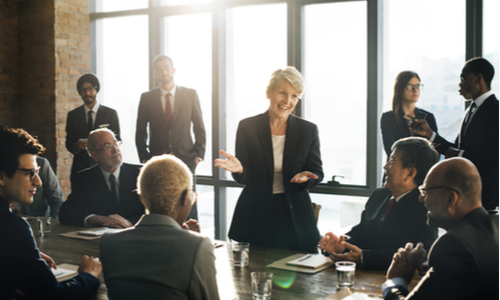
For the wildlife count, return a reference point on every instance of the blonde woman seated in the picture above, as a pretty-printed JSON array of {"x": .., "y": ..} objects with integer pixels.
[{"x": 158, "y": 259}]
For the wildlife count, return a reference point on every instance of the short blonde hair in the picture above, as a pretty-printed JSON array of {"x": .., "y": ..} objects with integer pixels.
[
  {"x": 289, "y": 74},
  {"x": 161, "y": 182}
]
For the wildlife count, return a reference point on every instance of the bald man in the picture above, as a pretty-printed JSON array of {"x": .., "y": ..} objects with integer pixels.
[{"x": 463, "y": 263}]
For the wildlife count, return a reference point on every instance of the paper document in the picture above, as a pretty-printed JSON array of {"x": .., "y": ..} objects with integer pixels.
[
  {"x": 310, "y": 261},
  {"x": 99, "y": 231},
  {"x": 65, "y": 272}
]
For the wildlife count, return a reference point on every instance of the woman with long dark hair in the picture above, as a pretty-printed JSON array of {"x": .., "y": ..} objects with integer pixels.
[{"x": 395, "y": 123}]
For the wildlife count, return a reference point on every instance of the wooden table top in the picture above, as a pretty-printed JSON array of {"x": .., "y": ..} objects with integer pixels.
[{"x": 233, "y": 282}]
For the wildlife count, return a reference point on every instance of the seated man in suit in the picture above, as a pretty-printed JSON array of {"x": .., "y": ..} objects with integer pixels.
[
  {"x": 104, "y": 194},
  {"x": 393, "y": 215},
  {"x": 158, "y": 259},
  {"x": 478, "y": 137},
  {"x": 22, "y": 265},
  {"x": 462, "y": 263}
]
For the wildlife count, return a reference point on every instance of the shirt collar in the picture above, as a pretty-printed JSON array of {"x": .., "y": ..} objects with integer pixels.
[
  {"x": 172, "y": 91},
  {"x": 479, "y": 100},
  {"x": 401, "y": 196},
  {"x": 94, "y": 109},
  {"x": 116, "y": 173}
]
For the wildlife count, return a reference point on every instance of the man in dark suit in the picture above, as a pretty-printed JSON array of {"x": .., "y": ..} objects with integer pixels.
[
  {"x": 82, "y": 120},
  {"x": 22, "y": 265},
  {"x": 393, "y": 215},
  {"x": 105, "y": 194},
  {"x": 478, "y": 137},
  {"x": 462, "y": 263},
  {"x": 166, "y": 115}
]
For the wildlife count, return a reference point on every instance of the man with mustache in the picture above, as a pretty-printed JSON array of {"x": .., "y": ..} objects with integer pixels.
[
  {"x": 478, "y": 137},
  {"x": 82, "y": 120},
  {"x": 104, "y": 194}
]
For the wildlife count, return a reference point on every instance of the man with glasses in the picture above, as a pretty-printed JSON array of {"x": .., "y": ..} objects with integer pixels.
[
  {"x": 22, "y": 265},
  {"x": 158, "y": 256},
  {"x": 478, "y": 137},
  {"x": 165, "y": 117},
  {"x": 104, "y": 194},
  {"x": 462, "y": 263},
  {"x": 82, "y": 120},
  {"x": 393, "y": 215}
]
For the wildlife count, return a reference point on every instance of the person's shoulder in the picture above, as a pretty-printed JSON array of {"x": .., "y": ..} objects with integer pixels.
[
  {"x": 42, "y": 161},
  {"x": 149, "y": 94},
  {"x": 380, "y": 192},
  {"x": 19, "y": 234},
  {"x": 107, "y": 109},
  {"x": 85, "y": 173},
  {"x": 132, "y": 167},
  {"x": 386, "y": 116},
  {"x": 183, "y": 89},
  {"x": 76, "y": 110},
  {"x": 253, "y": 119}
]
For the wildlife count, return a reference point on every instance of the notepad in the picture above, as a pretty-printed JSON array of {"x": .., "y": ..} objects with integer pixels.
[
  {"x": 283, "y": 265},
  {"x": 312, "y": 261},
  {"x": 99, "y": 231},
  {"x": 65, "y": 272}
]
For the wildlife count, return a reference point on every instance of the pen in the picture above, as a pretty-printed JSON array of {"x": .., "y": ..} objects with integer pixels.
[{"x": 305, "y": 257}]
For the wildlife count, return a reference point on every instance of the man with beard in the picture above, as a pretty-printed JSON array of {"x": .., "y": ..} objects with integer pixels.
[
  {"x": 165, "y": 115},
  {"x": 104, "y": 194},
  {"x": 478, "y": 137},
  {"x": 82, "y": 120},
  {"x": 462, "y": 263}
]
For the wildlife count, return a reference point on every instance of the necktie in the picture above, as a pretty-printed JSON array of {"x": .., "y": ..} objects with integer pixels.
[
  {"x": 393, "y": 201},
  {"x": 90, "y": 123},
  {"x": 114, "y": 196},
  {"x": 468, "y": 117},
  {"x": 168, "y": 110}
]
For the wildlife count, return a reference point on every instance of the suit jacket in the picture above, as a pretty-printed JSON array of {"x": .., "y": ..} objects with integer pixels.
[
  {"x": 76, "y": 128},
  {"x": 21, "y": 266},
  {"x": 176, "y": 138},
  {"x": 252, "y": 217},
  {"x": 49, "y": 194},
  {"x": 463, "y": 263},
  {"x": 480, "y": 145},
  {"x": 391, "y": 132},
  {"x": 158, "y": 260},
  {"x": 380, "y": 238},
  {"x": 92, "y": 196}
]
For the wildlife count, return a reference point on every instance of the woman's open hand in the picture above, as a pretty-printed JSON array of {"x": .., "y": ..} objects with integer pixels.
[{"x": 231, "y": 163}]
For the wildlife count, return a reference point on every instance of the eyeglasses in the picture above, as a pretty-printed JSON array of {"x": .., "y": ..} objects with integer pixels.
[
  {"x": 423, "y": 190},
  {"x": 110, "y": 147},
  {"x": 89, "y": 89},
  {"x": 33, "y": 172},
  {"x": 412, "y": 87},
  {"x": 194, "y": 197}
]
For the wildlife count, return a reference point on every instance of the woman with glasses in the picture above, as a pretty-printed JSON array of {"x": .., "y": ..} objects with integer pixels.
[
  {"x": 395, "y": 124},
  {"x": 278, "y": 160}
]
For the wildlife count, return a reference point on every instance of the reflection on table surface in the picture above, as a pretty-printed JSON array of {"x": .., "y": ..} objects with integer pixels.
[{"x": 233, "y": 282}]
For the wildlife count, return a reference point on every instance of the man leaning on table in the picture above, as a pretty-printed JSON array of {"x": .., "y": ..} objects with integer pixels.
[
  {"x": 104, "y": 194},
  {"x": 393, "y": 215},
  {"x": 22, "y": 265},
  {"x": 462, "y": 263},
  {"x": 158, "y": 259}
]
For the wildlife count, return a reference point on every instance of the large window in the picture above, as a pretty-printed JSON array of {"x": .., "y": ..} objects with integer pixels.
[{"x": 348, "y": 51}]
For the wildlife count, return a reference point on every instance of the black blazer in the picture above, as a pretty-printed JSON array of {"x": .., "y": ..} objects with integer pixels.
[
  {"x": 380, "y": 238},
  {"x": 175, "y": 139},
  {"x": 254, "y": 149},
  {"x": 92, "y": 196},
  {"x": 21, "y": 266},
  {"x": 480, "y": 145},
  {"x": 391, "y": 132},
  {"x": 76, "y": 128},
  {"x": 463, "y": 262}
]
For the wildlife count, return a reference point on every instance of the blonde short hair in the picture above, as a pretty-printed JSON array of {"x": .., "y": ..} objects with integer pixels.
[
  {"x": 289, "y": 74},
  {"x": 161, "y": 182}
]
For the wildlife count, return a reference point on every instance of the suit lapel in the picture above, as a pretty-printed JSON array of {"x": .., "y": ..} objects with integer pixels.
[
  {"x": 264, "y": 134},
  {"x": 101, "y": 188},
  {"x": 291, "y": 141},
  {"x": 82, "y": 117},
  {"x": 158, "y": 103},
  {"x": 99, "y": 118},
  {"x": 179, "y": 104}
]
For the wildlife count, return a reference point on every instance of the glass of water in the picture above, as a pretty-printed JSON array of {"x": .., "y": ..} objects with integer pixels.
[
  {"x": 241, "y": 251},
  {"x": 262, "y": 285},
  {"x": 345, "y": 273}
]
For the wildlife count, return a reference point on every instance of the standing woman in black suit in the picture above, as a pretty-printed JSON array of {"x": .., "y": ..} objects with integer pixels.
[
  {"x": 395, "y": 123},
  {"x": 278, "y": 160}
]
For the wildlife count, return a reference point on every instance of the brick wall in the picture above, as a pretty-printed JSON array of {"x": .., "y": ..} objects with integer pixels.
[
  {"x": 44, "y": 48},
  {"x": 9, "y": 64}
]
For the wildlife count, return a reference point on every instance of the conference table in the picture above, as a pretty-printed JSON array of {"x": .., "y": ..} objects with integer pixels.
[{"x": 233, "y": 282}]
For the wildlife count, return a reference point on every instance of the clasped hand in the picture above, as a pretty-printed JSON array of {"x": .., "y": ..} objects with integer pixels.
[
  {"x": 406, "y": 261},
  {"x": 335, "y": 246}
]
